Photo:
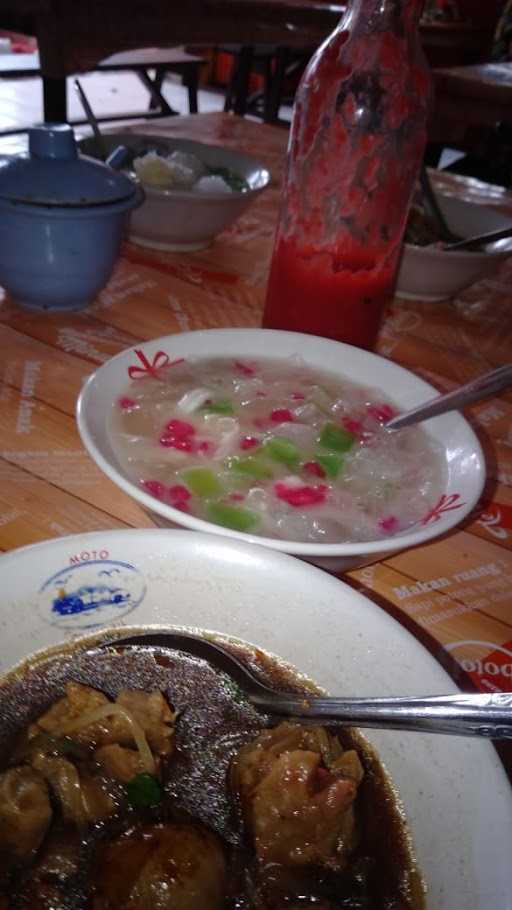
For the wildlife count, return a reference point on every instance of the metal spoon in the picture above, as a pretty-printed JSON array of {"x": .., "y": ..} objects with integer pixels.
[
  {"x": 461, "y": 714},
  {"x": 478, "y": 240},
  {"x": 431, "y": 199},
  {"x": 488, "y": 384},
  {"x": 119, "y": 155},
  {"x": 89, "y": 113}
]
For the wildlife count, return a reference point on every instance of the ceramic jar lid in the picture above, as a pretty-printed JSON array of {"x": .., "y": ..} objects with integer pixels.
[{"x": 54, "y": 174}]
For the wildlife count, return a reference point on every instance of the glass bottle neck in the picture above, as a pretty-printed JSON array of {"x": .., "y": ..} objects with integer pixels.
[{"x": 370, "y": 16}]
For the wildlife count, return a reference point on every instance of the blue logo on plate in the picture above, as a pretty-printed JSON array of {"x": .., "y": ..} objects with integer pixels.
[{"x": 91, "y": 594}]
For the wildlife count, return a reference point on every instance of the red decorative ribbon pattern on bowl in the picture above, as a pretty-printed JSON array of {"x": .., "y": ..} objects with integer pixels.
[
  {"x": 151, "y": 367},
  {"x": 445, "y": 504}
]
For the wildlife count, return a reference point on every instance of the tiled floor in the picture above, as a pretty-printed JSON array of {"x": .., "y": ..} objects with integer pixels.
[{"x": 21, "y": 101}]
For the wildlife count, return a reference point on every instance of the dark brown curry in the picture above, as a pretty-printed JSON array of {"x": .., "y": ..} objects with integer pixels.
[{"x": 142, "y": 779}]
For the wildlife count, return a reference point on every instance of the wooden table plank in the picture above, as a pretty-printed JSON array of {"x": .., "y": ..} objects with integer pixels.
[
  {"x": 49, "y": 486},
  {"x": 45, "y": 444},
  {"x": 32, "y": 510},
  {"x": 37, "y": 371},
  {"x": 78, "y": 334}
]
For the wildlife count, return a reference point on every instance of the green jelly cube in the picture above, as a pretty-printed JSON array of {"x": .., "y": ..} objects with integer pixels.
[
  {"x": 202, "y": 482},
  {"x": 219, "y": 406},
  {"x": 336, "y": 438},
  {"x": 283, "y": 450},
  {"x": 332, "y": 464},
  {"x": 251, "y": 466},
  {"x": 231, "y": 516}
]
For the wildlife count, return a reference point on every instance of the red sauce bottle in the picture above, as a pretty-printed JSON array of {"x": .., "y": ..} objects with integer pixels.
[{"x": 356, "y": 144}]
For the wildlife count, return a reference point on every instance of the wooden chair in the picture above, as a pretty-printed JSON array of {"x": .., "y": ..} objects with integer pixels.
[{"x": 277, "y": 64}]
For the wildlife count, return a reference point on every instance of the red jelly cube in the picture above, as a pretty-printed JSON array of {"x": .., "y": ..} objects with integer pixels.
[
  {"x": 352, "y": 425},
  {"x": 180, "y": 428},
  {"x": 300, "y": 497},
  {"x": 154, "y": 487},
  {"x": 282, "y": 415},
  {"x": 381, "y": 412},
  {"x": 183, "y": 444},
  {"x": 178, "y": 494},
  {"x": 126, "y": 403},
  {"x": 236, "y": 497},
  {"x": 312, "y": 467},
  {"x": 390, "y": 524},
  {"x": 249, "y": 442}
]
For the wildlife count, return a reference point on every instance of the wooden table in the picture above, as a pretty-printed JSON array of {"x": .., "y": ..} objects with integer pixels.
[
  {"x": 470, "y": 97},
  {"x": 74, "y": 37},
  {"x": 455, "y": 594}
]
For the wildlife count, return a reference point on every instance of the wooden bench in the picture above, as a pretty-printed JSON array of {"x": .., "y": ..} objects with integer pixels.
[{"x": 141, "y": 62}]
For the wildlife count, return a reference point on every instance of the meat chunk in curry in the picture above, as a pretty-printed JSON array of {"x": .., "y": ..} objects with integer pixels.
[
  {"x": 297, "y": 789},
  {"x": 110, "y": 722},
  {"x": 162, "y": 867},
  {"x": 25, "y": 811}
]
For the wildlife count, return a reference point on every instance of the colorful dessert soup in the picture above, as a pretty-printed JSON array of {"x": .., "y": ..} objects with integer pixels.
[{"x": 274, "y": 448}]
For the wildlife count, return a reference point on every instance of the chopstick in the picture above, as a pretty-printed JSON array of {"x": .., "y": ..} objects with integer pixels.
[{"x": 92, "y": 120}]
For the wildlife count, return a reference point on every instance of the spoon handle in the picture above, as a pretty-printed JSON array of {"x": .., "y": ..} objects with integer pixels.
[
  {"x": 478, "y": 240},
  {"x": 488, "y": 384},
  {"x": 89, "y": 113},
  {"x": 462, "y": 715},
  {"x": 429, "y": 194}
]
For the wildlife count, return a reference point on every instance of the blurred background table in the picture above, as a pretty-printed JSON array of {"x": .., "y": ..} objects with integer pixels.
[{"x": 454, "y": 594}]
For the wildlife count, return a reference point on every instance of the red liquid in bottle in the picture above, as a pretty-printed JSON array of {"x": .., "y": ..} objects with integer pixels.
[
  {"x": 356, "y": 144},
  {"x": 310, "y": 291}
]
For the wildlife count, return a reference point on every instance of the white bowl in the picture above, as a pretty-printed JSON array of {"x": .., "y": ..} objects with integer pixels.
[
  {"x": 186, "y": 220},
  {"x": 464, "y": 461},
  {"x": 431, "y": 274},
  {"x": 457, "y": 799}
]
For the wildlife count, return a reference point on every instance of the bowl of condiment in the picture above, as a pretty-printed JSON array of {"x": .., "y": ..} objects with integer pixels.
[
  {"x": 62, "y": 218},
  {"x": 427, "y": 271},
  {"x": 108, "y": 755},
  {"x": 193, "y": 190},
  {"x": 277, "y": 437}
]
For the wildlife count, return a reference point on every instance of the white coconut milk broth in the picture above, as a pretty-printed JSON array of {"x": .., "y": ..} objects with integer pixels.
[{"x": 275, "y": 448}]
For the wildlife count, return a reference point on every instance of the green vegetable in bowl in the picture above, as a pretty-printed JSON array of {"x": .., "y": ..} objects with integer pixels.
[
  {"x": 202, "y": 482},
  {"x": 251, "y": 465},
  {"x": 219, "y": 406},
  {"x": 237, "y": 183},
  {"x": 144, "y": 791},
  {"x": 336, "y": 438},
  {"x": 232, "y": 516},
  {"x": 282, "y": 450},
  {"x": 331, "y": 463}
]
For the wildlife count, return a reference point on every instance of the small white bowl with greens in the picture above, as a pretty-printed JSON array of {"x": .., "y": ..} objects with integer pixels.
[{"x": 193, "y": 191}]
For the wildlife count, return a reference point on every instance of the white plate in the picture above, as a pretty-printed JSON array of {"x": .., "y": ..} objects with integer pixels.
[{"x": 457, "y": 798}]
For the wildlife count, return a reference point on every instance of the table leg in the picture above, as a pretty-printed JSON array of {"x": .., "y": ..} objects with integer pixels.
[
  {"x": 191, "y": 81},
  {"x": 236, "y": 97},
  {"x": 158, "y": 81},
  {"x": 54, "y": 100},
  {"x": 274, "y": 96},
  {"x": 156, "y": 95}
]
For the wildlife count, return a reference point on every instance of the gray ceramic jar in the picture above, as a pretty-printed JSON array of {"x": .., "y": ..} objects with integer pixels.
[{"x": 62, "y": 218}]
